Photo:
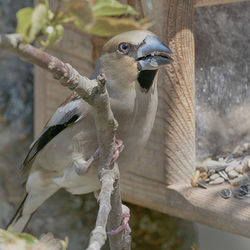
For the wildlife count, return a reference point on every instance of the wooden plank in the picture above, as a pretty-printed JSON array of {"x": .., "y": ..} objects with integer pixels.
[
  {"x": 194, "y": 204},
  {"x": 202, "y": 3},
  {"x": 174, "y": 24}
]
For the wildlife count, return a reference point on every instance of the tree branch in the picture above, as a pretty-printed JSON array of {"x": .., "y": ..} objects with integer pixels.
[
  {"x": 98, "y": 235},
  {"x": 64, "y": 72},
  {"x": 123, "y": 239},
  {"x": 93, "y": 92}
]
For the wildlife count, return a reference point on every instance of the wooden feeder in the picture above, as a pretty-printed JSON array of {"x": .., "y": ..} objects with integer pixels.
[{"x": 161, "y": 179}]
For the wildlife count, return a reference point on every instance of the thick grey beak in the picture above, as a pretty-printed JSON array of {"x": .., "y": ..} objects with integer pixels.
[{"x": 152, "y": 54}]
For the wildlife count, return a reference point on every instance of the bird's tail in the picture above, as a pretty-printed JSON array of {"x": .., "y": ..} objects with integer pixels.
[
  {"x": 19, "y": 221},
  {"x": 30, "y": 203}
]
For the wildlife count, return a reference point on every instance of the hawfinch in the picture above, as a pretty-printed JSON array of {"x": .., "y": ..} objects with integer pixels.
[{"x": 130, "y": 62}]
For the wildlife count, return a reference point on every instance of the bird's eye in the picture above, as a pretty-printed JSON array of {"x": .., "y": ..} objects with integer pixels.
[{"x": 123, "y": 47}]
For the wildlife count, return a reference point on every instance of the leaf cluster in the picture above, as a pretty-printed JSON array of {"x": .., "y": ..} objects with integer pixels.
[
  {"x": 97, "y": 17},
  {"x": 24, "y": 241}
]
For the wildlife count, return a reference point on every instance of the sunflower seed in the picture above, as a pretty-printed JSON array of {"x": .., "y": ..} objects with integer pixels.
[
  {"x": 244, "y": 189},
  {"x": 195, "y": 178},
  {"x": 219, "y": 180},
  {"x": 240, "y": 168},
  {"x": 240, "y": 180},
  {"x": 201, "y": 183},
  {"x": 226, "y": 193},
  {"x": 224, "y": 175},
  {"x": 202, "y": 168},
  {"x": 203, "y": 175},
  {"x": 215, "y": 165},
  {"x": 232, "y": 174},
  {"x": 230, "y": 167},
  {"x": 211, "y": 172},
  {"x": 214, "y": 176},
  {"x": 239, "y": 195}
]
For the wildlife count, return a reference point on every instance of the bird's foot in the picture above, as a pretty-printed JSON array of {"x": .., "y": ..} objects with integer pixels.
[
  {"x": 124, "y": 225},
  {"x": 118, "y": 149},
  {"x": 80, "y": 165}
]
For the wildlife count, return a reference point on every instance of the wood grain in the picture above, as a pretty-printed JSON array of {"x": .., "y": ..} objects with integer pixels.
[
  {"x": 179, "y": 89},
  {"x": 202, "y": 3},
  {"x": 174, "y": 25},
  {"x": 194, "y": 204}
]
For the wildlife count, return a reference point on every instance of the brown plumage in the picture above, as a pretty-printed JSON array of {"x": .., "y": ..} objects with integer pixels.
[{"x": 130, "y": 62}]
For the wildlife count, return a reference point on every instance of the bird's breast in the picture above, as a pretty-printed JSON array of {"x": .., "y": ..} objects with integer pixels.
[{"x": 135, "y": 117}]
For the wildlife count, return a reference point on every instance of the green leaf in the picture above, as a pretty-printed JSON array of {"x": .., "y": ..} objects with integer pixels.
[
  {"x": 65, "y": 243},
  {"x": 110, "y": 26},
  {"x": 29, "y": 239},
  {"x": 39, "y": 20},
  {"x": 24, "y": 21},
  {"x": 16, "y": 241},
  {"x": 112, "y": 8}
]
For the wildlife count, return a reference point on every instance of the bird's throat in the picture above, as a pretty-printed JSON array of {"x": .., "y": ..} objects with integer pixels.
[{"x": 146, "y": 79}]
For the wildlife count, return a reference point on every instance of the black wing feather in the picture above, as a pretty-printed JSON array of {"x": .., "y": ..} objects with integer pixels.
[
  {"x": 47, "y": 134},
  {"x": 65, "y": 115}
]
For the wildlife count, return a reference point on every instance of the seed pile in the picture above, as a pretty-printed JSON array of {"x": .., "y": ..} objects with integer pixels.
[{"x": 233, "y": 168}]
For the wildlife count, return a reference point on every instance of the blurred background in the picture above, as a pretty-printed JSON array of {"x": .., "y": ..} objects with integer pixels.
[{"x": 222, "y": 37}]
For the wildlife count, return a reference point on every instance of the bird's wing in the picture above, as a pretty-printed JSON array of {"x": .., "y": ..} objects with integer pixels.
[{"x": 67, "y": 114}]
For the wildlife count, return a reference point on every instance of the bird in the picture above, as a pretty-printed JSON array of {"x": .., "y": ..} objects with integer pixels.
[{"x": 65, "y": 154}]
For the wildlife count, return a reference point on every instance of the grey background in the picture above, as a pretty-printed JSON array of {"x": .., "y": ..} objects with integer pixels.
[{"x": 222, "y": 42}]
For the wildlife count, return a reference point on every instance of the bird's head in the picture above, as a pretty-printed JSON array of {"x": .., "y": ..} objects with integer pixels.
[{"x": 134, "y": 57}]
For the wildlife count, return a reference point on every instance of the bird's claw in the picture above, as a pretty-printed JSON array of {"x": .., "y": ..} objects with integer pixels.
[
  {"x": 81, "y": 166},
  {"x": 124, "y": 225},
  {"x": 118, "y": 149}
]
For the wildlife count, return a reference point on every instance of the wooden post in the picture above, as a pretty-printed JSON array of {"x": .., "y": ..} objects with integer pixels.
[
  {"x": 174, "y": 24},
  {"x": 179, "y": 88}
]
